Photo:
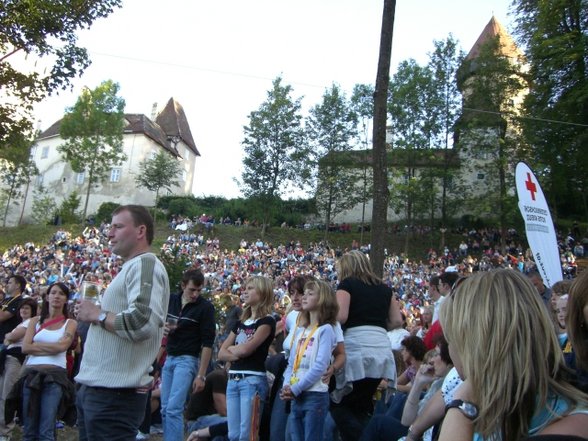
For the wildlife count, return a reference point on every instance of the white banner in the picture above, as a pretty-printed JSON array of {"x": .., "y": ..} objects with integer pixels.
[{"x": 538, "y": 225}]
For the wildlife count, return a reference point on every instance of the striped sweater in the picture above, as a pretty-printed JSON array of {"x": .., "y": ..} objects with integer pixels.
[{"x": 139, "y": 295}]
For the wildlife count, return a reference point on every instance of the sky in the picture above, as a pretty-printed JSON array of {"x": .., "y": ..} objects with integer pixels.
[{"x": 218, "y": 59}]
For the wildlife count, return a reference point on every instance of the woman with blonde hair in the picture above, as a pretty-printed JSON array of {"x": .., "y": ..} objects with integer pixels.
[
  {"x": 246, "y": 348},
  {"x": 367, "y": 309},
  {"x": 577, "y": 320},
  {"x": 504, "y": 347}
]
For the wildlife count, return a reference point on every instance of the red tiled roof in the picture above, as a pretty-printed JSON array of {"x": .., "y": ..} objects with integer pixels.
[{"x": 492, "y": 30}]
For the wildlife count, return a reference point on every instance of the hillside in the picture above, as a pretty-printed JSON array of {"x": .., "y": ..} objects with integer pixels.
[{"x": 230, "y": 236}]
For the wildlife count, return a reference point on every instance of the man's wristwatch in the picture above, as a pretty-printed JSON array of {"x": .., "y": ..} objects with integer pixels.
[
  {"x": 469, "y": 410},
  {"x": 102, "y": 319}
]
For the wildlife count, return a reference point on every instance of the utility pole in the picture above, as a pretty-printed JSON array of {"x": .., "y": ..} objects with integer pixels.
[{"x": 380, "y": 165}]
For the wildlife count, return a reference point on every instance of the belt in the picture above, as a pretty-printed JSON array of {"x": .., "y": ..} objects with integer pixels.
[
  {"x": 120, "y": 390},
  {"x": 238, "y": 377}
]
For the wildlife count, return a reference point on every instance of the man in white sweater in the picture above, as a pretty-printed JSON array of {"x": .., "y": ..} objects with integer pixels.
[{"x": 125, "y": 333}]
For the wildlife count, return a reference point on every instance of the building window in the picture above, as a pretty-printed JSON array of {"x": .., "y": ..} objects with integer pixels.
[
  {"x": 187, "y": 153},
  {"x": 39, "y": 181},
  {"x": 115, "y": 175},
  {"x": 481, "y": 176},
  {"x": 45, "y": 152},
  {"x": 80, "y": 178},
  {"x": 184, "y": 175},
  {"x": 153, "y": 154}
]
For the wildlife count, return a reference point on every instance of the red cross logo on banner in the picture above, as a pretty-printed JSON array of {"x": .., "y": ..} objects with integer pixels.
[{"x": 531, "y": 186}]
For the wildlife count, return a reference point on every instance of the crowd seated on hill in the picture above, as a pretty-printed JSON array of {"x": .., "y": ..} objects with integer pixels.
[{"x": 72, "y": 259}]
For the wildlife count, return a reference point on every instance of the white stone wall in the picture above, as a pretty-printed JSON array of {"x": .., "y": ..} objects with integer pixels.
[{"x": 60, "y": 181}]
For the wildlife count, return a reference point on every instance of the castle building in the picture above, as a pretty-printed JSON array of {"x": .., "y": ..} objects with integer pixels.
[
  {"x": 475, "y": 147},
  {"x": 143, "y": 138}
]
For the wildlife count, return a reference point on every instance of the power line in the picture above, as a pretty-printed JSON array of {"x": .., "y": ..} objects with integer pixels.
[
  {"x": 185, "y": 66},
  {"x": 527, "y": 117}
]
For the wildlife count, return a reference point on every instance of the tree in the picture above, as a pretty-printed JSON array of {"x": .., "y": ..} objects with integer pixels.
[
  {"x": 380, "y": 163},
  {"x": 43, "y": 29},
  {"x": 415, "y": 128},
  {"x": 43, "y": 206},
  {"x": 490, "y": 131},
  {"x": 362, "y": 103},
  {"x": 15, "y": 171},
  {"x": 554, "y": 35},
  {"x": 274, "y": 147},
  {"x": 93, "y": 134},
  {"x": 69, "y": 207},
  {"x": 331, "y": 131},
  {"x": 159, "y": 172},
  {"x": 444, "y": 63}
]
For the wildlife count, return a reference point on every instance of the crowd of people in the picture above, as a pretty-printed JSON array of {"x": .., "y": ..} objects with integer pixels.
[{"x": 289, "y": 341}]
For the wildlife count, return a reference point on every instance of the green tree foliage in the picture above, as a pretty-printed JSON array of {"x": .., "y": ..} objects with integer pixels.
[
  {"x": 105, "y": 210},
  {"x": 43, "y": 206},
  {"x": 362, "y": 103},
  {"x": 275, "y": 154},
  {"x": 444, "y": 63},
  {"x": 46, "y": 30},
  {"x": 160, "y": 172},
  {"x": 93, "y": 133},
  {"x": 15, "y": 173},
  {"x": 331, "y": 129},
  {"x": 490, "y": 134},
  {"x": 555, "y": 36},
  {"x": 414, "y": 127},
  {"x": 69, "y": 207}
]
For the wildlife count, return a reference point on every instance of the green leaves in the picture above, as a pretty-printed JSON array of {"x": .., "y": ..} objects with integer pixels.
[
  {"x": 40, "y": 29},
  {"x": 275, "y": 150},
  {"x": 331, "y": 129},
  {"x": 555, "y": 34},
  {"x": 160, "y": 172},
  {"x": 93, "y": 133}
]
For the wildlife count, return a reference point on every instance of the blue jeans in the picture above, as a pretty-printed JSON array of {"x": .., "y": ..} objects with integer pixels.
[
  {"x": 330, "y": 430},
  {"x": 240, "y": 394},
  {"x": 207, "y": 421},
  {"x": 176, "y": 383},
  {"x": 40, "y": 425},
  {"x": 278, "y": 420},
  {"x": 307, "y": 418},
  {"x": 109, "y": 414}
]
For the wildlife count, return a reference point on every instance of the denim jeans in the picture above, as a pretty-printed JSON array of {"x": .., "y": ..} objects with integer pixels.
[
  {"x": 41, "y": 424},
  {"x": 278, "y": 420},
  {"x": 240, "y": 394},
  {"x": 207, "y": 421},
  {"x": 330, "y": 432},
  {"x": 176, "y": 383},
  {"x": 307, "y": 418},
  {"x": 383, "y": 427},
  {"x": 109, "y": 414}
]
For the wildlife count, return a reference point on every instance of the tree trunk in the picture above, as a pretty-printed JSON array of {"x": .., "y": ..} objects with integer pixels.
[
  {"x": 379, "y": 163},
  {"x": 364, "y": 196},
  {"x": 328, "y": 216},
  {"x": 6, "y": 209},
  {"x": 90, "y": 177},
  {"x": 24, "y": 202}
]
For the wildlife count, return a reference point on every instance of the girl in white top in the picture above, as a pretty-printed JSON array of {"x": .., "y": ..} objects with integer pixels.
[
  {"x": 314, "y": 342},
  {"x": 46, "y": 341}
]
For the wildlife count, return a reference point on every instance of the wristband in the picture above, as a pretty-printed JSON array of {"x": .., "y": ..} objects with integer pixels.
[{"x": 202, "y": 377}]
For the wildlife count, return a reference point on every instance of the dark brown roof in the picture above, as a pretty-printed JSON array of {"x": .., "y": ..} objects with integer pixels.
[
  {"x": 173, "y": 121},
  {"x": 137, "y": 123},
  {"x": 493, "y": 29}
]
